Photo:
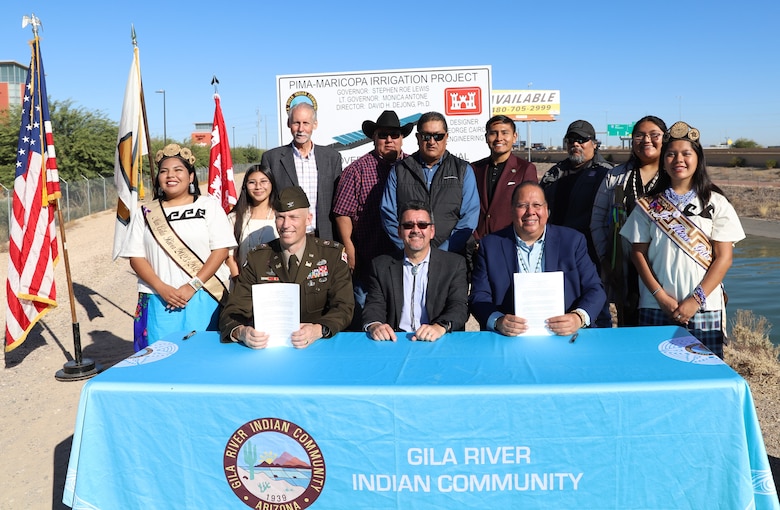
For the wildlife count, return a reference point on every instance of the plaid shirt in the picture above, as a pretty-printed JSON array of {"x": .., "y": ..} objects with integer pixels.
[{"x": 358, "y": 196}]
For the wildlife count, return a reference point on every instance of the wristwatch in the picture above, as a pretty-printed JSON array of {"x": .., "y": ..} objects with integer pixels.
[
  {"x": 581, "y": 316},
  {"x": 447, "y": 325},
  {"x": 196, "y": 283},
  {"x": 326, "y": 331}
]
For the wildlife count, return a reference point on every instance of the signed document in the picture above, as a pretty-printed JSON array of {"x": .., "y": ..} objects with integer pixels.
[
  {"x": 539, "y": 296},
  {"x": 277, "y": 311}
]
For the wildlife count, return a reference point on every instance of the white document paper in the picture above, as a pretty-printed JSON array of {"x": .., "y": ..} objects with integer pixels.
[
  {"x": 277, "y": 311},
  {"x": 539, "y": 296}
]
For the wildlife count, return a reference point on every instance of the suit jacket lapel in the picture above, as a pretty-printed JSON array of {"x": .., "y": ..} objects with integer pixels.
[
  {"x": 288, "y": 163},
  {"x": 510, "y": 250},
  {"x": 396, "y": 277},
  {"x": 434, "y": 291},
  {"x": 509, "y": 177},
  {"x": 279, "y": 267},
  {"x": 308, "y": 263},
  {"x": 552, "y": 247}
]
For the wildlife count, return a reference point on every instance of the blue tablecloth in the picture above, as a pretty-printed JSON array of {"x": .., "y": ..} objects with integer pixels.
[{"x": 621, "y": 418}]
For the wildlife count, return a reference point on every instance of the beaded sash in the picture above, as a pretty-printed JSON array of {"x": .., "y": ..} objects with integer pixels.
[{"x": 677, "y": 227}]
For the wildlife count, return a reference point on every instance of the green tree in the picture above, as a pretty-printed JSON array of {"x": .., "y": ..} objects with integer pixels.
[
  {"x": 9, "y": 139},
  {"x": 246, "y": 155},
  {"x": 745, "y": 143},
  {"x": 85, "y": 141}
]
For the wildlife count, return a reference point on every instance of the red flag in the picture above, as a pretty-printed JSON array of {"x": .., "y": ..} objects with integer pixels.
[
  {"x": 32, "y": 250},
  {"x": 221, "y": 182}
]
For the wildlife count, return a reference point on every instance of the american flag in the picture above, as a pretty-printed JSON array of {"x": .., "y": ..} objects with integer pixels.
[
  {"x": 33, "y": 251},
  {"x": 222, "y": 185}
]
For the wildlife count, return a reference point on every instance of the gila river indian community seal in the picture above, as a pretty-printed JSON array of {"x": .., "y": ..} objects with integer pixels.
[{"x": 273, "y": 464}]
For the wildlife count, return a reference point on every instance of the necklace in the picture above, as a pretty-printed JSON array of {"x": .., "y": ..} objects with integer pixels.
[
  {"x": 521, "y": 258},
  {"x": 679, "y": 201}
]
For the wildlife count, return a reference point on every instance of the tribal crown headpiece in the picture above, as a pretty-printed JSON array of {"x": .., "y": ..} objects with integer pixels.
[
  {"x": 682, "y": 131},
  {"x": 174, "y": 149}
]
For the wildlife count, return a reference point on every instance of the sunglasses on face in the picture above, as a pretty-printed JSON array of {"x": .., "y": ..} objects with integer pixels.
[
  {"x": 409, "y": 225},
  {"x": 426, "y": 137},
  {"x": 395, "y": 135},
  {"x": 577, "y": 139}
]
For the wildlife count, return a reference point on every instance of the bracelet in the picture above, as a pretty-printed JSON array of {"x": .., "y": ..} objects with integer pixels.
[
  {"x": 656, "y": 291},
  {"x": 195, "y": 283},
  {"x": 699, "y": 296}
]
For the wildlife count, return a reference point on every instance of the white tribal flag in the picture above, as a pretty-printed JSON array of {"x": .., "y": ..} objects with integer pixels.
[{"x": 130, "y": 149}]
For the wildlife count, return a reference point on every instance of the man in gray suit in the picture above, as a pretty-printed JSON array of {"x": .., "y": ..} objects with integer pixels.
[
  {"x": 315, "y": 168},
  {"x": 417, "y": 290}
]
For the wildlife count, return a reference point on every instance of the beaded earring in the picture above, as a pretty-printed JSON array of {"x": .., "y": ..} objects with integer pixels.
[{"x": 192, "y": 188}]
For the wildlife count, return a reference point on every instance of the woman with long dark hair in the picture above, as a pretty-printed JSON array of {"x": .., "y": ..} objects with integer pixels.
[
  {"x": 614, "y": 201},
  {"x": 177, "y": 246},
  {"x": 682, "y": 243},
  {"x": 253, "y": 217}
]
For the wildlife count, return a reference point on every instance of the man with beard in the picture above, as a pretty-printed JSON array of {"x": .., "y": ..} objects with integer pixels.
[
  {"x": 419, "y": 290},
  {"x": 439, "y": 179},
  {"x": 570, "y": 188}
]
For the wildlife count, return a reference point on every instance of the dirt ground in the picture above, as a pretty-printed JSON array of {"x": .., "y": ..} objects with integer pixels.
[{"x": 38, "y": 412}]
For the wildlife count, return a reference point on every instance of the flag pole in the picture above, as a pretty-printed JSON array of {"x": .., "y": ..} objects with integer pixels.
[
  {"x": 149, "y": 154},
  {"x": 79, "y": 368}
]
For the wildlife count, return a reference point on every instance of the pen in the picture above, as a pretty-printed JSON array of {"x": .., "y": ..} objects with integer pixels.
[
  {"x": 573, "y": 338},
  {"x": 189, "y": 335}
]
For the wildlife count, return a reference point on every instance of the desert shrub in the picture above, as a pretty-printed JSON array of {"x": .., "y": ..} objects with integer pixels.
[
  {"x": 750, "y": 351},
  {"x": 770, "y": 163},
  {"x": 737, "y": 161},
  {"x": 745, "y": 143}
]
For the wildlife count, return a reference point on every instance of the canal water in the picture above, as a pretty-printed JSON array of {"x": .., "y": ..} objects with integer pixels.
[{"x": 753, "y": 282}]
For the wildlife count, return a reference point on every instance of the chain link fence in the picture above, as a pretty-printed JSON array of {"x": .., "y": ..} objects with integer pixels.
[{"x": 82, "y": 197}]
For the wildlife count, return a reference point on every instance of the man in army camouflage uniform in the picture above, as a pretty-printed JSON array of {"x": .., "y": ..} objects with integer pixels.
[{"x": 318, "y": 266}]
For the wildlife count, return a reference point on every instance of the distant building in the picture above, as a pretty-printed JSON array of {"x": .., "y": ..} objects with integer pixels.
[
  {"x": 12, "y": 78},
  {"x": 202, "y": 133}
]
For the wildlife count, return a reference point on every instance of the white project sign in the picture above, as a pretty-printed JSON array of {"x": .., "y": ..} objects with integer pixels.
[{"x": 344, "y": 100}]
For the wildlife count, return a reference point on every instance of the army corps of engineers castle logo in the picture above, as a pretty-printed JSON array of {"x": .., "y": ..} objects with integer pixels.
[{"x": 273, "y": 464}]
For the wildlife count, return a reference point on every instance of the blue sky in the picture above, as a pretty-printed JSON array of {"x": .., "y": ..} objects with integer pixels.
[{"x": 713, "y": 63}]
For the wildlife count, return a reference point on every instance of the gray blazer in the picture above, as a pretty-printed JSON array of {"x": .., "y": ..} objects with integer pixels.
[{"x": 280, "y": 161}]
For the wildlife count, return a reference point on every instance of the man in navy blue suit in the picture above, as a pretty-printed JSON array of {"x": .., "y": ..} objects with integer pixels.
[{"x": 531, "y": 245}]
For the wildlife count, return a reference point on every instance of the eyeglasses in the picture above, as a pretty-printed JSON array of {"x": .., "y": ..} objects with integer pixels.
[
  {"x": 409, "y": 225},
  {"x": 655, "y": 136},
  {"x": 533, "y": 207},
  {"x": 435, "y": 136},
  {"x": 577, "y": 139},
  {"x": 395, "y": 135}
]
